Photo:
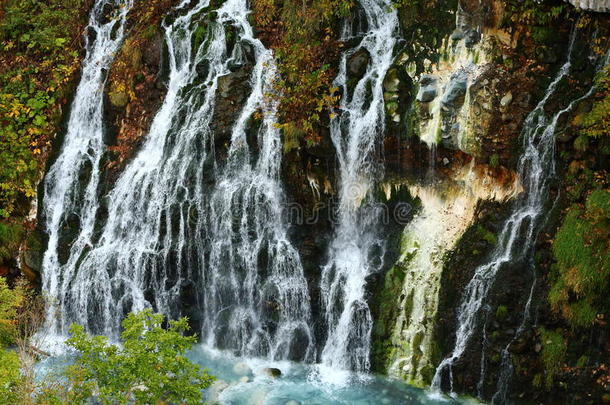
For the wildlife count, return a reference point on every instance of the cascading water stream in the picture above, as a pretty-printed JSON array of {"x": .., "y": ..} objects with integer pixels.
[
  {"x": 356, "y": 249},
  {"x": 66, "y": 195},
  {"x": 249, "y": 309},
  {"x": 536, "y": 168},
  {"x": 160, "y": 221},
  {"x": 506, "y": 366}
]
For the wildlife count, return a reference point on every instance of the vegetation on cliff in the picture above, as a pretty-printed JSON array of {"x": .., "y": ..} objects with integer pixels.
[
  {"x": 304, "y": 36},
  {"x": 39, "y": 58}
]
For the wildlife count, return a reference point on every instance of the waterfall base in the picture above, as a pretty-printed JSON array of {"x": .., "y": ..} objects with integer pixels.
[{"x": 246, "y": 381}]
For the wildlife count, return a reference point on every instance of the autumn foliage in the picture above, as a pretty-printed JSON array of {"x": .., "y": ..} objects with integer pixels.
[{"x": 304, "y": 38}]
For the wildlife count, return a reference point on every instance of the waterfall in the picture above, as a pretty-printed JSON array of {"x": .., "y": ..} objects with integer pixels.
[
  {"x": 356, "y": 249},
  {"x": 165, "y": 232},
  {"x": 506, "y": 366},
  {"x": 536, "y": 168},
  {"x": 247, "y": 309},
  {"x": 66, "y": 195}
]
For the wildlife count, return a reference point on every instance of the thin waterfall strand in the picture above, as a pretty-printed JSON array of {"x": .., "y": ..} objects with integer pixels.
[{"x": 536, "y": 167}]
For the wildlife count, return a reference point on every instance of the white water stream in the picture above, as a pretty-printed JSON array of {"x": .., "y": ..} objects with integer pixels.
[
  {"x": 356, "y": 250},
  {"x": 536, "y": 168},
  {"x": 161, "y": 215}
]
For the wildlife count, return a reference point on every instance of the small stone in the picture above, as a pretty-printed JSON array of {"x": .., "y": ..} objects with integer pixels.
[
  {"x": 445, "y": 161},
  {"x": 244, "y": 379},
  {"x": 538, "y": 347},
  {"x": 213, "y": 393},
  {"x": 506, "y": 100},
  {"x": 271, "y": 372}
]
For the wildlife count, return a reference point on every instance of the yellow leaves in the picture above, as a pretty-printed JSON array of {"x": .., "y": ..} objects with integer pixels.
[{"x": 30, "y": 193}]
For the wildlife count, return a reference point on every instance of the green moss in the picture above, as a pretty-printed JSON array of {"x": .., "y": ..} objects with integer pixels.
[
  {"x": 10, "y": 236},
  {"x": 554, "y": 349},
  {"x": 538, "y": 380},
  {"x": 501, "y": 312},
  {"x": 580, "y": 278},
  {"x": 494, "y": 160},
  {"x": 581, "y": 143},
  {"x": 596, "y": 122},
  {"x": 199, "y": 36},
  {"x": 582, "y": 361},
  {"x": 486, "y": 235}
]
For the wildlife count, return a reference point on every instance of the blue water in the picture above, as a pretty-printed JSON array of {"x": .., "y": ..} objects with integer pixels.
[{"x": 298, "y": 383}]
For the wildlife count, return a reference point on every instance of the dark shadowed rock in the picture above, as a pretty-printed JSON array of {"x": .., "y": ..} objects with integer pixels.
[{"x": 357, "y": 63}]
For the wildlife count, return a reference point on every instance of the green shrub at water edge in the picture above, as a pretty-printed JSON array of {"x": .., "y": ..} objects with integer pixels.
[{"x": 149, "y": 367}]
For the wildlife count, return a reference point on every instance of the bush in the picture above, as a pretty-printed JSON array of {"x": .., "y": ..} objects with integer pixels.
[
  {"x": 10, "y": 377},
  {"x": 38, "y": 55},
  {"x": 302, "y": 34},
  {"x": 149, "y": 367},
  {"x": 10, "y": 301}
]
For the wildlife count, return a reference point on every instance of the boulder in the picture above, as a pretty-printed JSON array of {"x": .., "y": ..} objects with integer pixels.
[
  {"x": 214, "y": 391},
  {"x": 357, "y": 63},
  {"x": 271, "y": 372},
  {"x": 455, "y": 91},
  {"x": 427, "y": 88}
]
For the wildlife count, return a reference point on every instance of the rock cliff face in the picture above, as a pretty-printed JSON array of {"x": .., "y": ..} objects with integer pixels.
[
  {"x": 466, "y": 107},
  {"x": 458, "y": 92}
]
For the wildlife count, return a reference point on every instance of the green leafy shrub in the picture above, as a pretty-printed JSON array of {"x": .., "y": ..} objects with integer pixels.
[
  {"x": 150, "y": 366},
  {"x": 533, "y": 13},
  {"x": 10, "y": 236},
  {"x": 10, "y": 301},
  {"x": 38, "y": 57},
  {"x": 10, "y": 377}
]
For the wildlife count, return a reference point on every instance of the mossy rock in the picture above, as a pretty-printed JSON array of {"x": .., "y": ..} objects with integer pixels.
[{"x": 118, "y": 99}]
